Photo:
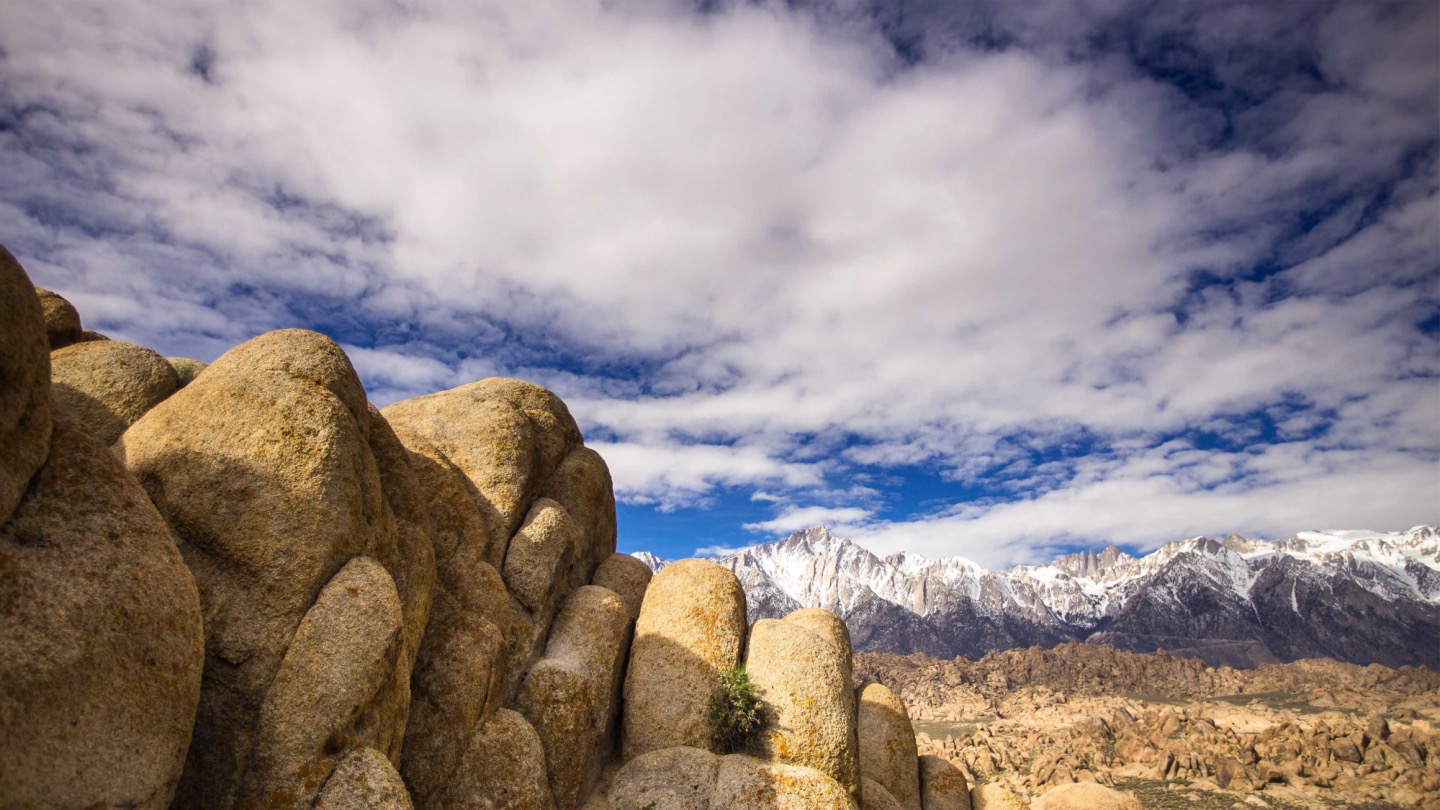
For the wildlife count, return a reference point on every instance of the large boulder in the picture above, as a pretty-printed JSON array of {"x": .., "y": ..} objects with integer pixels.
[
  {"x": 687, "y": 778},
  {"x": 628, "y": 577},
  {"x": 571, "y": 695},
  {"x": 1085, "y": 796},
  {"x": 519, "y": 476},
  {"x": 800, "y": 667},
  {"x": 327, "y": 694},
  {"x": 101, "y": 645},
  {"x": 942, "y": 785},
  {"x": 24, "y": 384},
  {"x": 503, "y": 767},
  {"x": 746, "y": 783},
  {"x": 107, "y": 385},
  {"x": 691, "y": 629},
  {"x": 186, "y": 369},
  {"x": 364, "y": 780},
  {"x": 62, "y": 320},
  {"x": 876, "y": 797},
  {"x": 265, "y": 469},
  {"x": 887, "y": 744}
]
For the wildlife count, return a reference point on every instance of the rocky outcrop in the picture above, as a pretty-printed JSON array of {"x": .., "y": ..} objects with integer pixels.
[
  {"x": 1085, "y": 796},
  {"x": 100, "y": 634},
  {"x": 800, "y": 667},
  {"x": 942, "y": 785},
  {"x": 186, "y": 369},
  {"x": 62, "y": 320},
  {"x": 691, "y": 629},
  {"x": 266, "y": 593},
  {"x": 108, "y": 385},
  {"x": 887, "y": 745},
  {"x": 25, "y": 393},
  {"x": 627, "y": 577},
  {"x": 572, "y": 694},
  {"x": 687, "y": 778},
  {"x": 264, "y": 467}
]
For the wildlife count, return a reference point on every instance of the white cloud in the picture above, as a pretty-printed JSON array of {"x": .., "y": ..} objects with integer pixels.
[
  {"x": 795, "y": 518},
  {"x": 752, "y": 249}
]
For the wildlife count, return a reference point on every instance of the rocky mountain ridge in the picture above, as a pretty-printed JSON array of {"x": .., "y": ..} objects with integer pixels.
[{"x": 1363, "y": 597}]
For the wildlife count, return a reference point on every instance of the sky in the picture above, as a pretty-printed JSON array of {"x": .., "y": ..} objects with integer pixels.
[{"x": 993, "y": 280}]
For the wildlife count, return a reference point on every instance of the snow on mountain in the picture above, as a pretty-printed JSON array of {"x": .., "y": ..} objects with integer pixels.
[{"x": 1198, "y": 591}]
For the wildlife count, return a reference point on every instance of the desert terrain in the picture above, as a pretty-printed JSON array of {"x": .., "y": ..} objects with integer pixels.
[{"x": 1172, "y": 731}]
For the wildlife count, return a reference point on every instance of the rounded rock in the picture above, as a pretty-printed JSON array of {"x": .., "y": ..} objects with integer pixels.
[
  {"x": 62, "y": 320},
  {"x": 800, "y": 667},
  {"x": 108, "y": 385},
  {"x": 887, "y": 744},
  {"x": 24, "y": 384},
  {"x": 1085, "y": 796},
  {"x": 186, "y": 369},
  {"x": 691, "y": 629},
  {"x": 942, "y": 785},
  {"x": 101, "y": 647},
  {"x": 628, "y": 577}
]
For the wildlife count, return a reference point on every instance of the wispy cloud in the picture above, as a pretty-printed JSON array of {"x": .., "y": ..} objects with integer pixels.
[{"x": 782, "y": 248}]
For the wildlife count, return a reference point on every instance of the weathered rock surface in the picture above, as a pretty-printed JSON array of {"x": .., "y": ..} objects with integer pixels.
[
  {"x": 364, "y": 780},
  {"x": 687, "y": 778},
  {"x": 186, "y": 369},
  {"x": 994, "y": 796},
  {"x": 744, "y": 782},
  {"x": 942, "y": 785},
  {"x": 263, "y": 466},
  {"x": 100, "y": 639},
  {"x": 503, "y": 767},
  {"x": 571, "y": 695},
  {"x": 887, "y": 744},
  {"x": 876, "y": 797},
  {"x": 1085, "y": 796},
  {"x": 108, "y": 385},
  {"x": 627, "y": 577},
  {"x": 800, "y": 667},
  {"x": 24, "y": 384},
  {"x": 691, "y": 628},
  {"x": 678, "y": 778},
  {"x": 62, "y": 321},
  {"x": 326, "y": 698}
]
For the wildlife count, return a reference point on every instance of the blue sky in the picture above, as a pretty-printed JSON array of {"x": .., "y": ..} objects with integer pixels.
[{"x": 979, "y": 279}]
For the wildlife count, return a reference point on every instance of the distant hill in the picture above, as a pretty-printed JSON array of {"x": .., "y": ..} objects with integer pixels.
[{"x": 1356, "y": 596}]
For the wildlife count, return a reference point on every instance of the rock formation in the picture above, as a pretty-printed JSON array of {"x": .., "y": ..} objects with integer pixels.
[
  {"x": 100, "y": 628},
  {"x": 266, "y": 593},
  {"x": 887, "y": 745}
]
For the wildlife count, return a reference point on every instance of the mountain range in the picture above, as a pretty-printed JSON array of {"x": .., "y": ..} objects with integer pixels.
[{"x": 1358, "y": 596}]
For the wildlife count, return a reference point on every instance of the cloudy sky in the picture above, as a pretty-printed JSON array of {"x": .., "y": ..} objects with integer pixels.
[{"x": 986, "y": 279}]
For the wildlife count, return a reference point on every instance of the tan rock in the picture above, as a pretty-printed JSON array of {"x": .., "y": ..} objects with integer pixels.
[
  {"x": 942, "y": 785},
  {"x": 571, "y": 695},
  {"x": 1085, "y": 796},
  {"x": 691, "y": 628},
  {"x": 25, "y": 392},
  {"x": 364, "y": 780},
  {"x": 582, "y": 485},
  {"x": 876, "y": 797},
  {"x": 62, "y": 320},
  {"x": 679, "y": 778},
  {"x": 995, "y": 796},
  {"x": 108, "y": 385},
  {"x": 627, "y": 577},
  {"x": 507, "y": 436},
  {"x": 101, "y": 646},
  {"x": 263, "y": 467},
  {"x": 503, "y": 767},
  {"x": 540, "y": 554},
  {"x": 800, "y": 667},
  {"x": 887, "y": 744},
  {"x": 746, "y": 783},
  {"x": 327, "y": 697},
  {"x": 186, "y": 369}
]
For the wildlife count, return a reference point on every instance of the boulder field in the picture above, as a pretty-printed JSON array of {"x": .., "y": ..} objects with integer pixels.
[{"x": 241, "y": 585}]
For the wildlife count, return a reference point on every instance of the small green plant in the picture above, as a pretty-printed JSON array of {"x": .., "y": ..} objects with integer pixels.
[{"x": 737, "y": 714}]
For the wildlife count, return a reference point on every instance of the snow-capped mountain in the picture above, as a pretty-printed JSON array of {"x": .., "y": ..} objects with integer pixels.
[{"x": 1356, "y": 596}]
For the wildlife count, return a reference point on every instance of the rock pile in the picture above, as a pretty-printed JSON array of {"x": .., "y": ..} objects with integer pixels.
[
  {"x": 1034, "y": 723},
  {"x": 241, "y": 585}
]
